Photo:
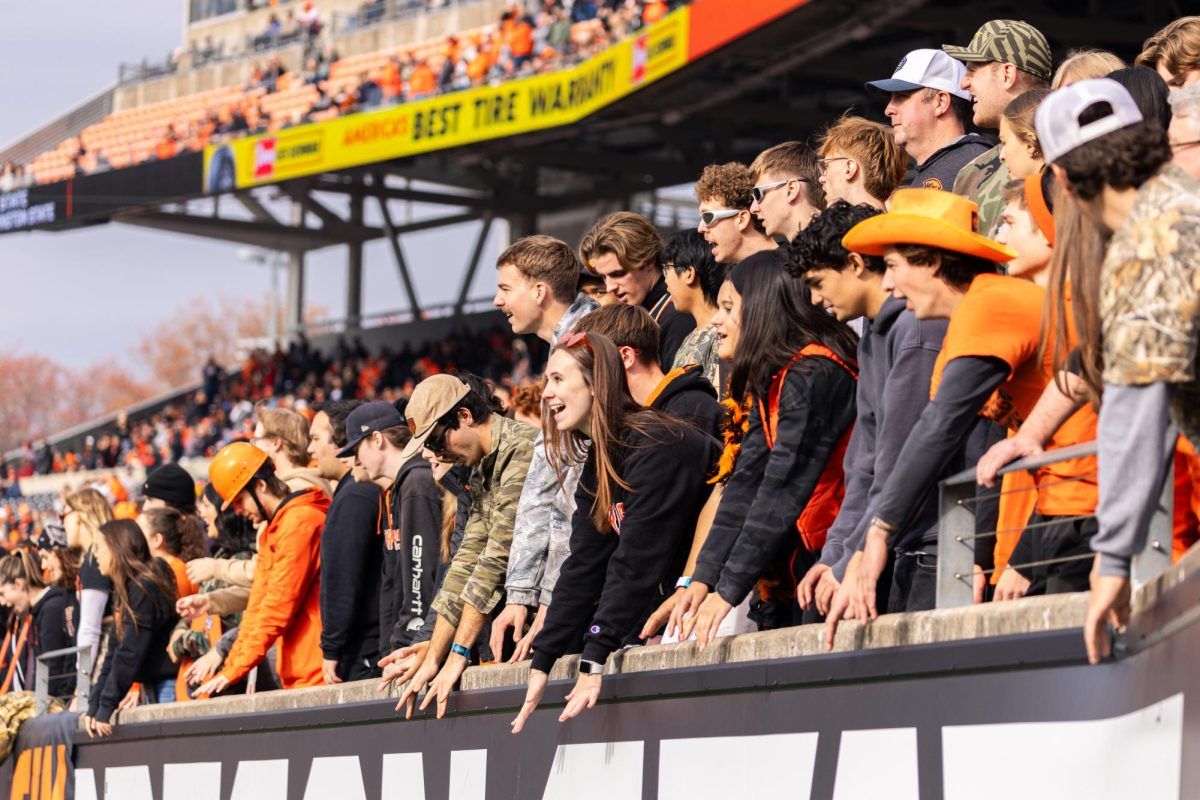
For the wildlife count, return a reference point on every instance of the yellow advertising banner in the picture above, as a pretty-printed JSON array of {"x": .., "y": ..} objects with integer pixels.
[{"x": 486, "y": 112}]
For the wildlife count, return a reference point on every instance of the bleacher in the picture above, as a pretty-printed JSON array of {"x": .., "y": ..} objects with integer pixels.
[{"x": 163, "y": 129}]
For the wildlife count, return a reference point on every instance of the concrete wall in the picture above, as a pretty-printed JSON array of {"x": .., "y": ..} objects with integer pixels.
[{"x": 1028, "y": 616}]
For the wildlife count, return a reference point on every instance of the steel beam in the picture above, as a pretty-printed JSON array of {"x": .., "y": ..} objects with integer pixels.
[
  {"x": 473, "y": 264},
  {"x": 354, "y": 271},
  {"x": 393, "y": 237}
]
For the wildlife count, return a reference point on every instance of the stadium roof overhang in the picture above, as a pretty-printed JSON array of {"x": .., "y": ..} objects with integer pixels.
[{"x": 717, "y": 80}]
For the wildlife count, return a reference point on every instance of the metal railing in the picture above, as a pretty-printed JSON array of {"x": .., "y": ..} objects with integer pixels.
[
  {"x": 958, "y": 532},
  {"x": 83, "y": 676}
]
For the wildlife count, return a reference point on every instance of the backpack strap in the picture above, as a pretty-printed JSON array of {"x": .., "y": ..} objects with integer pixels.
[{"x": 769, "y": 413}]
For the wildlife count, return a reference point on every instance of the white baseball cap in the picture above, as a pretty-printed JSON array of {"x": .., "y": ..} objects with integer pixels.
[
  {"x": 1057, "y": 120},
  {"x": 926, "y": 69}
]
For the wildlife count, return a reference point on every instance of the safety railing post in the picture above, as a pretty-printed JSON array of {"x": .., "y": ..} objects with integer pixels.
[{"x": 956, "y": 541}]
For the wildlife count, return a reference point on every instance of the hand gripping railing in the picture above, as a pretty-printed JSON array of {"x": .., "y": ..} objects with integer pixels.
[
  {"x": 957, "y": 530},
  {"x": 83, "y": 678}
]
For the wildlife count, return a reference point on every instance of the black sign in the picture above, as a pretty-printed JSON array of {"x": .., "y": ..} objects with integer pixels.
[{"x": 96, "y": 198}]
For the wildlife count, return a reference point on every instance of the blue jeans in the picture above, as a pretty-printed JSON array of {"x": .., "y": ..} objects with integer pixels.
[{"x": 162, "y": 692}]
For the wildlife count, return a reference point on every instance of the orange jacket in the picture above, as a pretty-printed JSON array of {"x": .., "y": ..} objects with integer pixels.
[{"x": 284, "y": 602}]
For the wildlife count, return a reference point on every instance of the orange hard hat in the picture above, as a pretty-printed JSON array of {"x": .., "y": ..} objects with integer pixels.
[{"x": 232, "y": 468}]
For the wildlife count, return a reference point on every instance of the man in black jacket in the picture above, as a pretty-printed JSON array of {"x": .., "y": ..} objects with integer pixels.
[
  {"x": 626, "y": 250},
  {"x": 683, "y": 393},
  {"x": 350, "y": 563},
  {"x": 411, "y": 526}
]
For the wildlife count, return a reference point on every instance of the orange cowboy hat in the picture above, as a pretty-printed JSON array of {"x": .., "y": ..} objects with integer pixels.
[{"x": 928, "y": 217}]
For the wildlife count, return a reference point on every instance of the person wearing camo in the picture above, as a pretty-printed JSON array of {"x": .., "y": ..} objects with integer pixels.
[
  {"x": 1005, "y": 59},
  {"x": 536, "y": 282},
  {"x": 1116, "y": 164},
  {"x": 453, "y": 422}
]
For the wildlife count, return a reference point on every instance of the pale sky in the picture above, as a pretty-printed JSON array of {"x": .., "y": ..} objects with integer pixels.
[{"x": 85, "y": 295}]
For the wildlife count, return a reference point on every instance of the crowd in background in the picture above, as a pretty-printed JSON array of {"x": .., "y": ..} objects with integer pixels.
[
  {"x": 739, "y": 427},
  {"x": 525, "y": 41}
]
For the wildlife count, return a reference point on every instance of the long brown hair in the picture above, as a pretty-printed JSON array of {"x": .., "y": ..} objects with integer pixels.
[
  {"x": 183, "y": 534},
  {"x": 132, "y": 563},
  {"x": 614, "y": 411},
  {"x": 1079, "y": 247}
]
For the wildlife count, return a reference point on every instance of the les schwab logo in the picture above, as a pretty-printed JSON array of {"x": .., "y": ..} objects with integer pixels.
[{"x": 264, "y": 158}]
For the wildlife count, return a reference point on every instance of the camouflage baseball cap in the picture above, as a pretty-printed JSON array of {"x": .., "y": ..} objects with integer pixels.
[{"x": 1008, "y": 41}]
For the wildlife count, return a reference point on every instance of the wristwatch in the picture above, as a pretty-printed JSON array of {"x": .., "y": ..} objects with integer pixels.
[
  {"x": 590, "y": 667},
  {"x": 459, "y": 650}
]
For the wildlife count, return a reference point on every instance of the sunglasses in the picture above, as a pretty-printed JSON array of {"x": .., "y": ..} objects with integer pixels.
[
  {"x": 758, "y": 191},
  {"x": 707, "y": 218},
  {"x": 436, "y": 443},
  {"x": 574, "y": 340}
]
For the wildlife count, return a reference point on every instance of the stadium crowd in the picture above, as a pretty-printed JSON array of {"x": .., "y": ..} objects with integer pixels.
[
  {"x": 554, "y": 35},
  {"x": 746, "y": 434}
]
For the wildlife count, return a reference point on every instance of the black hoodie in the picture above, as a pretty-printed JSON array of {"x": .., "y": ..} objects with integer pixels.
[
  {"x": 350, "y": 579},
  {"x": 54, "y": 619},
  {"x": 687, "y": 395},
  {"x": 612, "y": 581},
  {"x": 139, "y": 655},
  {"x": 411, "y": 532}
]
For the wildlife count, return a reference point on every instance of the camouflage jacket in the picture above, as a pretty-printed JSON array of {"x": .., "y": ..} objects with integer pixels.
[
  {"x": 983, "y": 180},
  {"x": 476, "y": 572},
  {"x": 700, "y": 347},
  {"x": 1150, "y": 294},
  {"x": 543, "y": 517}
]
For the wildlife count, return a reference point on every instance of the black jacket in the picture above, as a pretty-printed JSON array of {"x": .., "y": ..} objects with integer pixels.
[
  {"x": 673, "y": 325},
  {"x": 612, "y": 582},
  {"x": 690, "y": 397},
  {"x": 940, "y": 169},
  {"x": 412, "y": 530},
  {"x": 350, "y": 575},
  {"x": 455, "y": 482},
  {"x": 769, "y": 488},
  {"x": 55, "y": 616},
  {"x": 140, "y": 655}
]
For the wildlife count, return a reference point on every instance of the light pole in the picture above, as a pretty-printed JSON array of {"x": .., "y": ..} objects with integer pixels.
[{"x": 272, "y": 259}]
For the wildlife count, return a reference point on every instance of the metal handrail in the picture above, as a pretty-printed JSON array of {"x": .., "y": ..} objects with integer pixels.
[
  {"x": 83, "y": 675},
  {"x": 957, "y": 531}
]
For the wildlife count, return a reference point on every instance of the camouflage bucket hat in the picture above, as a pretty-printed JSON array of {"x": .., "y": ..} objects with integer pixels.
[{"x": 1008, "y": 41}]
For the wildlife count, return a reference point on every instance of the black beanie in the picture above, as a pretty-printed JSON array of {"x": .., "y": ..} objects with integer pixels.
[{"x": 173, "y": 485}]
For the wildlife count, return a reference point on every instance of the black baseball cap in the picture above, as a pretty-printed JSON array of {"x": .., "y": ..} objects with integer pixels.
[{"x": 365, "y": 420}]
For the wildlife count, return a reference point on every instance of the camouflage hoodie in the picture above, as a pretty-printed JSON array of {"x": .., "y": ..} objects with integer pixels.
[{"x": 541, "y": 540}]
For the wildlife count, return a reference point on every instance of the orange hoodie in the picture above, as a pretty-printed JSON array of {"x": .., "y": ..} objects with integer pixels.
[{"x": 284, "y": 602}]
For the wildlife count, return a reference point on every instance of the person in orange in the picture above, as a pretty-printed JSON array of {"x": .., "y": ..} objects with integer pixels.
[
  {"x": 1027, "y": 225},
  {"x": 989, "y": 367},
  {"x": 654, "y": 11},
  {"x": 284, "y": 604},
  {"x": 422, "y": 82}
]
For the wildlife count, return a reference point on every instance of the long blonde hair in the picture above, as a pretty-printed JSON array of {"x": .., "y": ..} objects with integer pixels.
[{"x": 92, "y": 508}]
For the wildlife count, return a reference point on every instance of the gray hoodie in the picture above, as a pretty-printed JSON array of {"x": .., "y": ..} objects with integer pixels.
[{"x": 896, "y": 355}]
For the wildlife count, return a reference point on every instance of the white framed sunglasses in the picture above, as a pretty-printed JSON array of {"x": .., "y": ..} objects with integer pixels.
[
  {"x": 707, "y": 218},
  {"x": 758, "y": 191}
]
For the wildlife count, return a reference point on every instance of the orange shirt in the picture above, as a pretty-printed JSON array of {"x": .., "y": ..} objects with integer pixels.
[
  {"x": 654, "y": 11},
  {"x": 1000, "y": 317},
  {"x": 421, "y": 80}
]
